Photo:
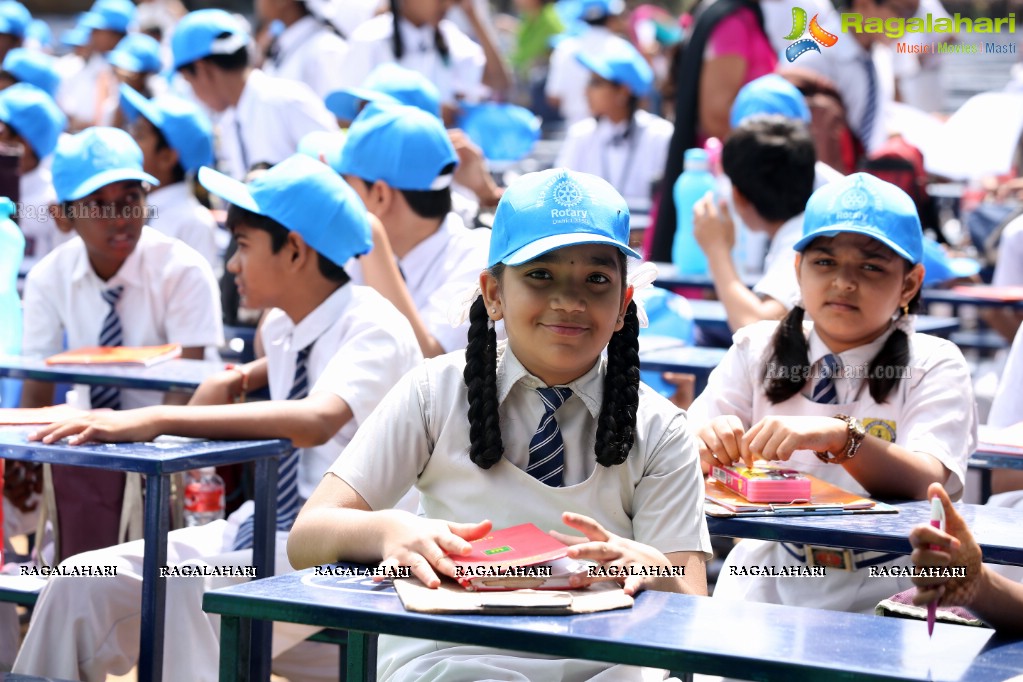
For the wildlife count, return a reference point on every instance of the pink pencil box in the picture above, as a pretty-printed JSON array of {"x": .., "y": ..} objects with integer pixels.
[{"x": 764, "y": 484}]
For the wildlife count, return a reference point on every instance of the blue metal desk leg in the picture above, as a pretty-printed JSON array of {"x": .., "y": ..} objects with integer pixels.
[
  {"x": 154, "y": 588},
  {"x": 230, "y": 657},
  {"x": 362, "y": 655},
  {"x": 265, "y": 525}
]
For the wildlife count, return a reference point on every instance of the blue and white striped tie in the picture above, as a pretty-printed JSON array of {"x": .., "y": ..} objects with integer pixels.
[
  {"x": 547, "y": 448},
  {"x": 824, "y": 390},
  {"x": 110, "y": 335},
  {"x": 287, "y": 468},
  {"x": 870, "y": 112}
]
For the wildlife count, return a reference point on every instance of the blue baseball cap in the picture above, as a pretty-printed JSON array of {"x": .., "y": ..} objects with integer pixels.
[
  {"x": 40, "y": 32},
  {"x": 389, "y": 83},
  {"x": 505, "y": 132},
  {"x": 95, "y": 158},
  {"x": 588, "y": 10},
  {"x": 33, "y": 115},
  {"x": 940, "y": 267},
  {"x": 404, "y": 146},
  {"x": 541, "y": 212},
  {"x": 619, "y": 62},
  {"x": 206, "y": 32},
  {"x": 77, "y": 36},
  {"x": 307, "y": 197},
  {"x": 109, "y": 15},
  {"x": 32, "y": 66},
  {"x": 864, "y": 204},
  {"x": 138, "y": 53},
  {"x": 182, "y": 123},
  {"x": 770, "y": 94},
  {"x": 14, "y": 18},
  {"x": 323, "y": 145}
]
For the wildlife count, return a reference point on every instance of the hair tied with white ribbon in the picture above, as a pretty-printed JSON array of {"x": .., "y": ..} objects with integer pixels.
[{"x": 906, "y": 323}]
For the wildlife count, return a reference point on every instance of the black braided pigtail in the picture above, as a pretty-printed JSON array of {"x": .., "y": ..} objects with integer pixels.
[
  {"x": 441, "y": 46},
  {"x": 616, "y": 425},
  {"x": 480, "y": 374},
  {"x": 787, "y": 368},
  {"x": 891, "y": 362},
  {"x": 397, "y": 44}
]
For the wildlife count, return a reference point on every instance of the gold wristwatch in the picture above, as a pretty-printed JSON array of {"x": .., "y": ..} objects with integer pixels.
[{"x": 852, "y": 444}]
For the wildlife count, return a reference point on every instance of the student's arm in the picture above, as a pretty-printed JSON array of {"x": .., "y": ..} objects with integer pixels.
[
  {"x": 715, "y": 233},
  {"x": 380, "y": 271},
  {"x": 495, "y": 74},
  {"x": 338, "y": 524},
  {"x": 306, "y": 423},
  {"x": 229, "y": 386},
  {"x": 991, "y": 596},
  {"x": 720, "y": 81},
  {"x": 177, "y": 398}
]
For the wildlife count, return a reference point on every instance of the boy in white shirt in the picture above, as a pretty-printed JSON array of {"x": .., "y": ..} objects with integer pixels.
[{"x": 176, "y": 140}]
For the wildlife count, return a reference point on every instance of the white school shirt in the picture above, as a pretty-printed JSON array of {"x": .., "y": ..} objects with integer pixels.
[
  {"x": 631, "y": 164},
  {"x": 362, "y": 346},
  {"x": 779, "y": 279},
  {"x": 1006, "y": 408},
  {"x": 34, "y": 219},
  {"x": 438, "y": 270},
  {"x": 1009, "y": 268},
  {"x": 419, "y": 436},
  {"x": 309, "y": 52},
  {"x": 567, "y": 78},
  {"x": 370, "y": 45},
  {"x": 77, "y": 93},
  {"x": 273, "y": 115},
  {"x": 170, "y": 296},
  {"x": 932, "y": 413},
  {"x": 843, "y": 64},
  {"x": 174, "y": 211}
]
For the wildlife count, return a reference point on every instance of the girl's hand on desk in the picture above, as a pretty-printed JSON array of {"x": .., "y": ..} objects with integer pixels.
[
  {"x": 953, "y": 547},
  {"x": 720, "y": 442},
  {"x": 424, "y": 545},
  {"x": 103, "y": 426},
  {"x": 614, "y": 552},
  {"x": 776, "y": 438}
]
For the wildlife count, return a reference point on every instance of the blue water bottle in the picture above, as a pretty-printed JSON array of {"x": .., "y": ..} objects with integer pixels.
[
  {"x": 694, "y": 182},
  {"x": 12, "y": 250}
]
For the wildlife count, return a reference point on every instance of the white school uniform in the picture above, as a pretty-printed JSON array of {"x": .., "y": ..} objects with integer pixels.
[
  {"x": 89, "y": 627},
  {"x": 567, "y": 78},
  {"x": 80, "y": 93},
  {"x": 174, "y": 211},
  {"x": 631, "y": 164},
  {"x": 438, "y": 270},
  {"x": 1009, "y": 268},
  {"x": 370, "y": 45},
  {"x": 779, "y": 279},
  {"x": 271, "y": 117},
  {"x": 170, "y": 296},
  {"x": 419, "y": 436},
  {"x": 309, "y": 52},
  {"x": 34, "y": 219},
  {"x": 1006, "y": 408},
  {"x": 931, "y": 414}
]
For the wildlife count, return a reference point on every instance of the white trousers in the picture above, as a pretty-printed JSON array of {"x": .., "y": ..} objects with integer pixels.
[{"x": 84, "y": 628}]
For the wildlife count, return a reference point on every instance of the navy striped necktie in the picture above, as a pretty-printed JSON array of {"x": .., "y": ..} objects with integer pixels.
[
  {"x": 870, "y": 112},
  {"x": 824, "y": 389},
  {"x": 288, "y": 497},
  {"x": 547, "y": 448},
  {"x": 110, "y": 335}
]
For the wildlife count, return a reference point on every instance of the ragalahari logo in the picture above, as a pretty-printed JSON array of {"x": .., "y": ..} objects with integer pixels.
[{"x": 803, "y": 45}]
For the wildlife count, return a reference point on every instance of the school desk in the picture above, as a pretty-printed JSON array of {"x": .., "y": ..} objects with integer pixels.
[
  {"x": 172, "y": 375},
  {"x": 997, "y": 530},
  {"x": 157, "y": 461},
  {"x": 989, "y": 456},
  {"x": 671, "y": 631},
  {"x": 669, "y": 277},
  {"x": 687, "y": 359},
  {"x": 962, "y": 296}
]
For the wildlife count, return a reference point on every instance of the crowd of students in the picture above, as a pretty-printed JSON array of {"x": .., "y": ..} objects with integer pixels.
[{"x": 439, "y": 379}]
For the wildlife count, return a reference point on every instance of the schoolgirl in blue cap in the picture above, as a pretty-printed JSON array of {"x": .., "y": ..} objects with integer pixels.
[
  {"x": 856, "y": 397},
  {"x": 523, "y": 431}
]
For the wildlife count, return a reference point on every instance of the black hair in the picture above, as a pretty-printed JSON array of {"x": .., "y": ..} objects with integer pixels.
[
  {"x": 431, "y": 203},
  {"x": 178, "y": 172},
  {"x": 235, "y": 61},
  {"x": 787, "y": 364},
  {"x": 770, "y": 160},
  {"x": 616, "y": 424},
  {"x": 279, "y": 237},
  {"x": 323, "y": 21},
  {"x": 398, "y": 45}
]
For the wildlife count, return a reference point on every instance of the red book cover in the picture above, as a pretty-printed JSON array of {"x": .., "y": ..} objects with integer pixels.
[
  {"x": 1005, "y": 293},
  {"x": 521, "y": 556},
  {"x": 117, "y": 355}
]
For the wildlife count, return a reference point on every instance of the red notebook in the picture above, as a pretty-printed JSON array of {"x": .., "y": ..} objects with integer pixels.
[
  {"x": 143, "y": 356},
  {"x": 18, "y": 416},
  {"x": 514, "y": 558},
  {"x": 1007, "y": 293}
]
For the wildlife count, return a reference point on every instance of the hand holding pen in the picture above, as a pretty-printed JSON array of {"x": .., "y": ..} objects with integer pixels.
[{"x": 937, "y": 521}]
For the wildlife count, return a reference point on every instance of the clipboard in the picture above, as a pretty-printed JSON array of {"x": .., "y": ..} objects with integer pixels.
[
  {"x": 825, "y": 500},
  {"x": 450, "y": 598}
]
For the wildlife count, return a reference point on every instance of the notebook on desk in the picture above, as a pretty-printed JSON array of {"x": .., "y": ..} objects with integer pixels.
[
  {"x": 1004, "y": 441},
  {"x": 1005, "y": 293},
  {"x": 825, "y": 499},
  {"x": 142, "y": 356},
  {"x": 450, "y": 598},
  {"x": 25, "y": 416}
]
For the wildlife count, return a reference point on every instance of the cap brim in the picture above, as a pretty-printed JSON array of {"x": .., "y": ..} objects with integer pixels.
[
  {"x": 134, "y": 104},
  {"x": 833, "y": 230},
  {"x": 123, "y": 60},
  {"x": 97, "y": 21},
  {"x": 228, "y": 189},
  {"x": 600, "y": 68},
  {"x": 345, "y": 104},
  {"x": 109, "y": 177},
  {"x": 557, "y": 241}
]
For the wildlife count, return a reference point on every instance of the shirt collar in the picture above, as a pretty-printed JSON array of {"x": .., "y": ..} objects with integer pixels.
[
  {"x": 296, "y": 34},
  {"x": 608, "y": 131},
  {"x": 424, "y": 251},
  {"x": 415, "y": 37},
  {"x": 168, "y": 196},
  {"x": 589, "y": 387},
  {"x": 313, "y": 325},
  {"x": 859, "y": 356},
  {"x": 130, "y": 273}
]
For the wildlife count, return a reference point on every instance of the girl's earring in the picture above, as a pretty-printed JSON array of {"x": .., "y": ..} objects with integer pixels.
[{"x": 905, "y": 310}]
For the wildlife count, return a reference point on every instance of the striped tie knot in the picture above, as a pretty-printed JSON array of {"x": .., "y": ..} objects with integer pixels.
[
  {"x": 824, "y": 390},
  {"x": 111, "y": 334},
  {"x": 547, "y": 448},
  {"x": 113, "y": 294}
]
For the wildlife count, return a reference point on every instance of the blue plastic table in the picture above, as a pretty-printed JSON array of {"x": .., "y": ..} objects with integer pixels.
[
  {"x": 689, "y": 359},
  {"x": 158, "y": 460},
  {"x": 958, "y": 298},
  {"x": 991, "y": 456},
  {"x": 172, "y": 375},
  {"x": 672, "y": 631}
]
